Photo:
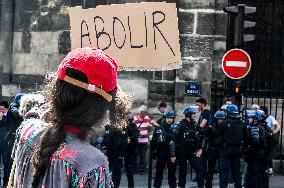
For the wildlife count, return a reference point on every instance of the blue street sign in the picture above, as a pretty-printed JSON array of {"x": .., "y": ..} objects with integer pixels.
[{"x": 193, "y": 89}]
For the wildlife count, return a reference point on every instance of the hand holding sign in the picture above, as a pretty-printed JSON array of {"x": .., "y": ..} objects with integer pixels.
[{"x": 139, "y": 35}]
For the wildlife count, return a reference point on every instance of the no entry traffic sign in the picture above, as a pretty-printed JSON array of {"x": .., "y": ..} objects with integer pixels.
[{"x": 236, "y": 63}]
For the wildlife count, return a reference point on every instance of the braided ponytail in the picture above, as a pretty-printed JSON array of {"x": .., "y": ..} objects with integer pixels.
[{"x": 49, "y": 142}]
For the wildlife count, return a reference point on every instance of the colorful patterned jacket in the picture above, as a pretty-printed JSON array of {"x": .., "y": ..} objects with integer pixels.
[{"x": 75, "y": 163}]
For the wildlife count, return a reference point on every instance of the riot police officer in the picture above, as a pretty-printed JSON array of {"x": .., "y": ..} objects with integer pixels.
[
  {"x": 115, "y": 141},
  {"x": 213, "y": 142},
  {"x": 189, "y": 147},
  {"x": 130, "y": 151},
  {"x": 232, "y": 132},
  {"x": 163, "y": 149},
  {"x": 121, "y": 144},
  {"x": 256, "y": 143}
]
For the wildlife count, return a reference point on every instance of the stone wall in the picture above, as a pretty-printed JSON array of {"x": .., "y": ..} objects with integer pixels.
[
  {"x": 202, "y": 38},
  {"x": 36, "y": 44},
  {"x": 40, "y": 39}
]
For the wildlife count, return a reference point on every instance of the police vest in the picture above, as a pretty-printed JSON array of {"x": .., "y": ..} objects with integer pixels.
[
  {"x": 213, "y": 137},
  {"x": 114, "y": 139},
  {"x": 257, "y": 136},
  {"x": 163, "y": 134},
  {"x": 189, "y": 134},
  {"x": 234, "y": 132}
]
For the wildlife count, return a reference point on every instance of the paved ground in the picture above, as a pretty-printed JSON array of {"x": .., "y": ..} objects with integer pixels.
[{"x": 276, "y": 181}]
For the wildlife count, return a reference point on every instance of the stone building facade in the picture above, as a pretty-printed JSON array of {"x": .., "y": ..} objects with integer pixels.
[{"x": 35, "y": 38}]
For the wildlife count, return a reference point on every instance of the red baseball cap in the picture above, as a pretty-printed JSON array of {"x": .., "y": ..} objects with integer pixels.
[{"x": 98, "y": 66}]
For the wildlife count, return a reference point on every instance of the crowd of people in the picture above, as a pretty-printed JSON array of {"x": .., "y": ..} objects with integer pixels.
[
  {"x": 207, "y": 144},
  {"x": 48, "y": 139}
]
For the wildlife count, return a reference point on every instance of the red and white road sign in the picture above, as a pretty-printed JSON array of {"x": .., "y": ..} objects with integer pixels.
[{"x": 236, "y": 63}]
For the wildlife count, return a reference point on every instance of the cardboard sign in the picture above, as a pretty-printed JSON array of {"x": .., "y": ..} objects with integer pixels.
[{"x": 140, "y": 36}]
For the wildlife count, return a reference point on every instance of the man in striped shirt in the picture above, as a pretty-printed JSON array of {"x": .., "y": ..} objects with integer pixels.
[{"x": 144, "y": 124}]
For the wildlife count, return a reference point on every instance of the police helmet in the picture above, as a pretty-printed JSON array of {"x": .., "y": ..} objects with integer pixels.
[
  {"x": 232, "y": 109},
  {"x": 220, "y": 115},
  {"x": 262, "y": 113},
  {"x": 169, "y": 114},
  {"x": 255, "y": 114},
  {"x": 190, "y": 110},
  {"x": 248, "y": 112}
]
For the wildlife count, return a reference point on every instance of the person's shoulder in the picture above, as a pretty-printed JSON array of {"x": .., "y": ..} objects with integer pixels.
[
  {"x": 84, "y": 160},
  {"x": 206, "y": 113},
  {"x": 233, "y": 120},
  {"x": 83, "y": 156},
  {"x": 180, "y": 124},
  {"x": 147, "y": 119},
  {"x": 135, "y": 119},
  {"x": 174, "y": 126},
  {"x": 14, "y": 107},
  {"x": 29, "y": 130},
  {"x": 271, "y": 118}
]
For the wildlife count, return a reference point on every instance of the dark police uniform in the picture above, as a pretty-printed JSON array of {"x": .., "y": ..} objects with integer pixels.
[
  {"x": 121, "y": 144},
  {"x": 212, "y": 152},
  {"x": 130, "y": 151},
  {"x": 256, "y": 144},
  {"x": 115, "y": 141},
  {"x": 160, "y": 120},
  {"x": 188, "y": 141},
  {"x": 4, "y": 149},
  {"x": 230, "y": 152},
  {"x": 163, "y": 148}
]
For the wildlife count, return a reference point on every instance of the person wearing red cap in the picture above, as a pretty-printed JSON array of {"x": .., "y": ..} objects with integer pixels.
[{"x": 58, "y": 154}]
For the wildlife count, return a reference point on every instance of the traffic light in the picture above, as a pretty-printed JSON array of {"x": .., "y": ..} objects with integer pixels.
[
  {"x": 239, "y": 12},
  {"x": 239, "y": 91}
]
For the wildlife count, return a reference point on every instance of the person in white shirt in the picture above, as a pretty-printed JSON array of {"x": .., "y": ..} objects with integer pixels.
[
  {"x": 271, "y": 121},
  {"x": 144, "y": 124},
  {"x": 274, "y": 125}
]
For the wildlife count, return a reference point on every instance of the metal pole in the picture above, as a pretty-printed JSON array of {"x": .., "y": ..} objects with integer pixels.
[
  {"x": 84, "y": 4},
  {"x": 1, "y": 81},
  {"x": 175, "y": 71},
  {"x": 239, "y": 41},
  {"x": 281, "y": 135}
]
